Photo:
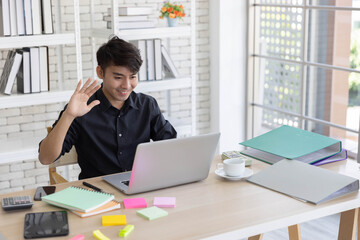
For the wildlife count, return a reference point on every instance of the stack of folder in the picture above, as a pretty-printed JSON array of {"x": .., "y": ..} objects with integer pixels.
[{"x": 294, "y": 143}]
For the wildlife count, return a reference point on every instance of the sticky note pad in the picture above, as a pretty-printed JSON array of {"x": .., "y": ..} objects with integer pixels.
[
  {"x": 152, "y": 213},
  {"x": 134, "y": 203},
  {"x": 126, "y": 231},
  {"x": 113, "y": 220},
  {"x": 98, "y": 235},
  {"x": 166, "y": 202},
  {"x": 78, "y": 237}
]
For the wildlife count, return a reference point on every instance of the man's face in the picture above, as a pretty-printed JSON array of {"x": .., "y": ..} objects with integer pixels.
[{"x": 118, "y": 83}]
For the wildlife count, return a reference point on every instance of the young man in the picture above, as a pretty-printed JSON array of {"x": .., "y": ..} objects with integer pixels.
[{"x": 106, "y": 122}]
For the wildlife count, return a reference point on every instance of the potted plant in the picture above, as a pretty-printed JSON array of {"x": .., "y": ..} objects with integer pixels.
[{"x": 172, "y": 12}]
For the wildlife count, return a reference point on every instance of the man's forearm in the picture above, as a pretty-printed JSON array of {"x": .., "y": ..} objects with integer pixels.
[{"x": 51, "y": 146}]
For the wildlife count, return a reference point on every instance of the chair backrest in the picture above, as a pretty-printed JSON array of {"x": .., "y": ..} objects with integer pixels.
[{"x": 68, "y": 159}]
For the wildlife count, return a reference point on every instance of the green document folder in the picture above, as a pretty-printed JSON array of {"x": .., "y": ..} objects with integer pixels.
[
  {"x": 78, "y": 199},
  {"x": 292, "y": 143}
]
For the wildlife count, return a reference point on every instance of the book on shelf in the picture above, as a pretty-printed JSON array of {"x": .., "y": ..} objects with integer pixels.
[
  {"x": 158, "y": 59},
  {"x": 5, "y": 29},
  {"x": 110, "y": 206},
  {"x": 44, "y": 69},
  {"x": 28, "y": 18},
  {"x": 141, "y": 45},
  {"x": 13, "y": 24},
  {"x": 126, "y": 11},
  {"x": 168, "y": 64},
  {"x": 20, "y": 17},
  {"x": 132, "y": 25},
  {"x": 130, "y": 18},
  {"x": 36, "y": 16},
  {"x": 11, "y": 71},
  {"x": 150, "y": 58},
  {"x": 23, "y": 77},
  {"x": 291, "y": 143},
  {"x": 47, "y": 24},
  {"x": 78, "y": 199},
  {"x": 35, "y": 69},
  {"x": 6, "y": 70}
]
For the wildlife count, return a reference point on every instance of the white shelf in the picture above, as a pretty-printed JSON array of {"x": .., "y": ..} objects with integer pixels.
[
  {"x": 146, "y": 33},
  {"x": 37, "y": 40},
  {"x": 160, "y": 85},
  {"x": 21, "y": 100}
]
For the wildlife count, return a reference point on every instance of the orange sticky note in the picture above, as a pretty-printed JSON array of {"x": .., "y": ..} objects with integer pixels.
[{"x": 113, "y": 220}]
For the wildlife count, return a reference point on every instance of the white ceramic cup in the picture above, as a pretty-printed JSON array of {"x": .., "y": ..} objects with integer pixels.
[{"x": 233, "y": 167}]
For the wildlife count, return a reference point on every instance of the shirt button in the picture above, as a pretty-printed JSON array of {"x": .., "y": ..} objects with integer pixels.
[
  {"x": 120, "y": 153},
  {"x": 120, "y": 135}
]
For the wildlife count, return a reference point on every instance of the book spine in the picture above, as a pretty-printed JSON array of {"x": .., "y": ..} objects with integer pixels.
[
  {"x": 47, "y": 23},
  {"x": 35, "y": 69},
  {"x": 13, "y": 23},
  {"x": 150, "y": 59},
  {"x": 28, "y": 17},
  {"x": 13, "y": 71},
  {"x": 5, "y": 18},
  {"x": 158, "y": 59},
  {"x": 36, "y": 16},
  {"x": 20, "y": 18}
]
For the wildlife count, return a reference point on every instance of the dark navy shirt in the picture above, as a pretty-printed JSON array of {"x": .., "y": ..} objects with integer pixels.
[{"x": 106, "y": 138}]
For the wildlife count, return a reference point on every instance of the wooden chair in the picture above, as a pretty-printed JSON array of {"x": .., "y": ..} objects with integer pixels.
[{"x": 68, "y": 159}]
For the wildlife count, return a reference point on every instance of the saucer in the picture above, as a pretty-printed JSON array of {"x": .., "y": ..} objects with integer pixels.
[{"x": 247, "y": 173}]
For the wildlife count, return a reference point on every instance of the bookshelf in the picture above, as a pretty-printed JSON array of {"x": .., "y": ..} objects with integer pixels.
[
  {"x": 184, "y": 82},
  {"x": 26, "y": 148}
]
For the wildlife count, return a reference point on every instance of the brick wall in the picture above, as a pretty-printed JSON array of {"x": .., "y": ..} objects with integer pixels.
[{"x": 31, "y": 122}]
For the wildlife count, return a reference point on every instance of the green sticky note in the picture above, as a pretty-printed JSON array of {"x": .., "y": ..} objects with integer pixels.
[{"x": 152, "y": 213}]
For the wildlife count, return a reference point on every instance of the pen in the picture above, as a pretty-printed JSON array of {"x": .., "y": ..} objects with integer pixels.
[{"x": 92, "y": 186}]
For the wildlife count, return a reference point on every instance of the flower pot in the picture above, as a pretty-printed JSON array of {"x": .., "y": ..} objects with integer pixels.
[{"x": 172, "y": 22}]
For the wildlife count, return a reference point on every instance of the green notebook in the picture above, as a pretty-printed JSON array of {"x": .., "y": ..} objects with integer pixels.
[
  {"x": 292, "y": 143},
  {"x": 78, "y": 199},
  {"x": 152, "y": 213}
]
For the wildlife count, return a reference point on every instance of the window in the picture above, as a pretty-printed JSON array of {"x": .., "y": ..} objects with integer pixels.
[{"x": 304, "y": 67}]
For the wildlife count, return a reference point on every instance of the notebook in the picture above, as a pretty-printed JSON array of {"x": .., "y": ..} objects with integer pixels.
[
  {"x": 304, "y": 181},
  {"x": 292, "y": 143},
  {"x": 112, "y": 205},
  {"x": 167, "y": 163},
  {"x": 78, "y": 199}
]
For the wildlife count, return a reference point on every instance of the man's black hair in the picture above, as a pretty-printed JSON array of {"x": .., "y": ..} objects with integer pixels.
[{"x": 119, "y": 53}]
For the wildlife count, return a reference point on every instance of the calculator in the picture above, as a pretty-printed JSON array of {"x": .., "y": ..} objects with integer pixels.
[{"x": 17, "y": 202}]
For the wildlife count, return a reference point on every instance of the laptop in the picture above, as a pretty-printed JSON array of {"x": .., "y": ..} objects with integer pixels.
[{"x": 167, "y": 163}]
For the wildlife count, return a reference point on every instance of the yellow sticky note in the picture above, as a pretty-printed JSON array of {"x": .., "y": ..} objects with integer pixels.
[
  {"x": 99, "y": 236},
  {"x": 113, "y": 220},
  {"x": 126, "y": 231}
]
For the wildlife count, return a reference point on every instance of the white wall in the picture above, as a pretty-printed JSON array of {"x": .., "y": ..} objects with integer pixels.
[
  {"x": 228, "y": 24},
  {"x": 31, "y": 121}
]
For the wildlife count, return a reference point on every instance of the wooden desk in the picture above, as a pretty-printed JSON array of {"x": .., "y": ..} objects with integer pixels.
[{"x": 210, "y": 209}]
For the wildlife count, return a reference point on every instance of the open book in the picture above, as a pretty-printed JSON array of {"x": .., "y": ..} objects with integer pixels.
[{"x": 78, "y": 199}]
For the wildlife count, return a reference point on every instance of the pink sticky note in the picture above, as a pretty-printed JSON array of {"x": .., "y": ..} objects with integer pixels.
[
  {"x": 134, "y": 203},
  {"x": 78, "y": 237},
  {"x": 166, "y": 202}
]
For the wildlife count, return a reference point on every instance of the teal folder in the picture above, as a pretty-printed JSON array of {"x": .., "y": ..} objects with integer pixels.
[{"x": 292, "y": 143}]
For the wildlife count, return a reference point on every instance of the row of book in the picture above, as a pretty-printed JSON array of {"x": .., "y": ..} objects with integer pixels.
[
  {"x": 30, "y": 67},
  {"x": 131, "y": 18},
  {"x": 157, "y": 63},
  {"x": 25, "y": 17}
]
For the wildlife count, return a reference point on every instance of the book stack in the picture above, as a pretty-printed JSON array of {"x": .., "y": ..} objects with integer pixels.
[
  {"x": 294, "y": 143},
  {"x": 22, "y": 17},
  {"x": 30, "y": 67},
  {"x": 157, "y": 62},
  {"x": 131, "y": 18}
]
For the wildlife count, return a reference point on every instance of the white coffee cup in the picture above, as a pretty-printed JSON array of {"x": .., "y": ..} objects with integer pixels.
[{"x": 233, "y": 167}]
